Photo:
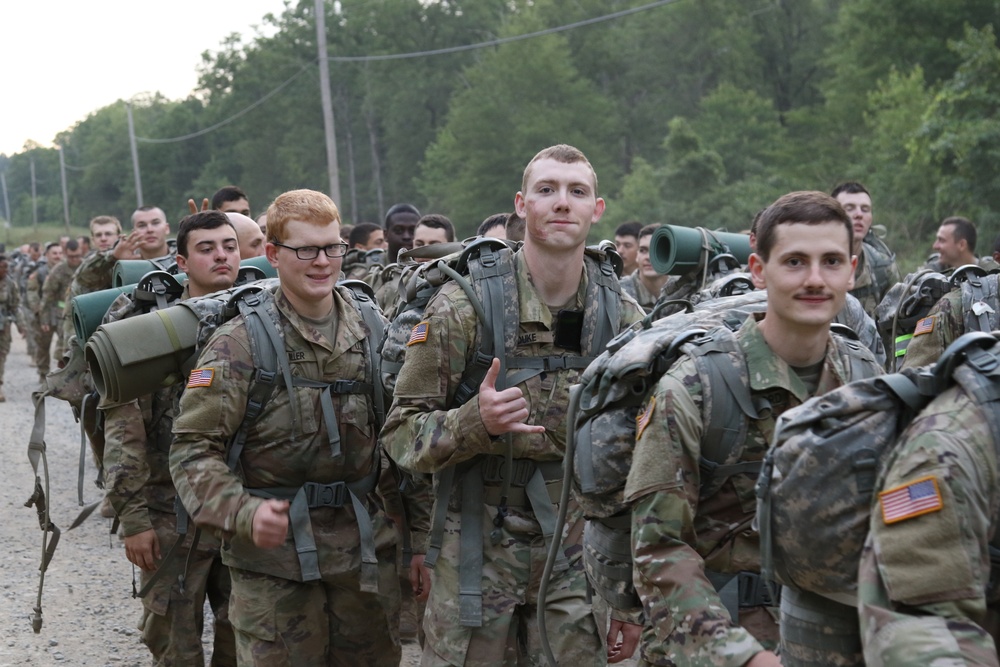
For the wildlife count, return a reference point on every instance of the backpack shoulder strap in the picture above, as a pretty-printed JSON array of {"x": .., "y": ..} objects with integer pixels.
[
  {"x": 603, "y": 288},
  {"x": 363, "y": 299},
  {"x": 727, "y": 408}
]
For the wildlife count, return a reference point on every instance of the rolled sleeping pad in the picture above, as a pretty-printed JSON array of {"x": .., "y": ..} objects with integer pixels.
[
  {"x": 139, "y": 355},
  {"x": 676, "y": 251},
  {"x": 89, "y": 309},
  {"x": 130, "y": 271}
]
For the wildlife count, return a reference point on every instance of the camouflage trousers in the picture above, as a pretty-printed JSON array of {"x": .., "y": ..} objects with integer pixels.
[
  {"x": 43, "y": 349},
  {"x": 511, "y": 578},
  {"x": 173, "y": 621},
  {"x": 286, "y": 623},
  {"x": 5, "y": 338}
]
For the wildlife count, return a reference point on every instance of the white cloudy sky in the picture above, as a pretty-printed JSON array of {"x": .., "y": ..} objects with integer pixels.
[{"x": 62, "y": 59}]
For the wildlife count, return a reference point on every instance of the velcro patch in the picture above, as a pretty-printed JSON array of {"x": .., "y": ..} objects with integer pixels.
[
  {"x": 645, "y": 414},
  {"x": 918, "y": 497},
  {"x": 201, "y": 377},
  {"x": 924, "y": 326},
  {"x": 419, "y": 333}
]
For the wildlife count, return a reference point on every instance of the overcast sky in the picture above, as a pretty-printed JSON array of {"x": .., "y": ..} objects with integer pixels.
[{"x": 63, "y": 59}]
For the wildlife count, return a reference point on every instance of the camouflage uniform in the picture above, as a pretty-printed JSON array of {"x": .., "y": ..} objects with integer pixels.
[
  {"x": 676, "y": 538},
  {"x": 632, "y": 285},
  {"x": 25, "y": 318},
  {"x": 9, "y": 302},
  {"x": 924, "y": 579},
  {"x": 138, "y": 486},
  {"x": 869, "y": 287},
  {"x": 425, "y": 436},
  {"x": 42, "y": 339},
  {"x": 53, "y": 304},
  {"x": 934, "y": 263},
  {"x": 946, "y": 321},
  {"x": 278, "y": 617}
]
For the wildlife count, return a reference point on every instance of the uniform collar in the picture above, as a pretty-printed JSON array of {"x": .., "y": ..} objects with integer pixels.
[
  {"x": 349, "y": 329},
  {"x": 530, "y": 305}
]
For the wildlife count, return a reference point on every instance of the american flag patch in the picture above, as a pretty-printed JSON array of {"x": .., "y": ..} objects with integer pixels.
[
  {"x": 645, "y": 414},
  {"x": 905, "y": 502},
  {"x": 419, "y": 333},
  {"x": 201, "y": 377},
  {"x": 924, "y": 326}
]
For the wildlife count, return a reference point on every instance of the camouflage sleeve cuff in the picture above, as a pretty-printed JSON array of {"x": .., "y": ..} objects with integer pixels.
[
  {"x": 635, "y": 618},
  {"x": 244, "y": 518},
  {"x": 134, "y": 520},
  {"x": 472, "y": 431}
]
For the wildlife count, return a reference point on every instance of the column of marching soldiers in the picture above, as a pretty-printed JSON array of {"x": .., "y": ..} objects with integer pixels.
[{"x": 521, "y": 449}]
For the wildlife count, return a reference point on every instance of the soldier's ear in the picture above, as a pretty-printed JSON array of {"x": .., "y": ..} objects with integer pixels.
[{"x": 756, "y": 267}]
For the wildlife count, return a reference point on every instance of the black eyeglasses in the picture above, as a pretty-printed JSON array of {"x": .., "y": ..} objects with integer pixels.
[{"x": 307, "y": 252}]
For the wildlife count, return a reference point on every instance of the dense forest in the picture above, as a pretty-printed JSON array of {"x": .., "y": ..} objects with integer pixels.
[{"x": 694, "y": 112}]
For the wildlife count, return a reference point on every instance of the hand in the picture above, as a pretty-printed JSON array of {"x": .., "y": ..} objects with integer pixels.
[
  {"x": 270, "y": 524},
  {"x": 46, "y": 328},
  {"x": 623, "y": 638},
  {"x": 194, "y": 207},
  {"x": 420, "y": 578},
  {"x": 503, "y": 411},
  {"x": 126, "y": 246},
  {"x": 143, "y": 550},
  {"x": 764, "y": 659}
]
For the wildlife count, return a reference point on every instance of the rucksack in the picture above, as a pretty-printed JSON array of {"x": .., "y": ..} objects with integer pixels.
[
  {"x": 605, "y": 407},
  {"x": 904, "y": 305},
  {"x": 815, "y": 489}
]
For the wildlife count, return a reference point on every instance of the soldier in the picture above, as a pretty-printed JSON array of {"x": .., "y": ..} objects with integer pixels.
[
  {"x": 925, "y": 580},
  {"x": 303, "y": 596},
  {"x": 627, "y": 245},
  {"x": 54, "y": 292},
  {"x": 31, "y": 256},
  {"x": 558, "y": 296},
  {"x": 139, "y": 488},
  {"x": 644, "y": 284},
  {"x": 955, "y": 246},
  {"x": 877, "y": 270},
  {"x": 43, "y": 335},
  {"x": 691, "y": 553},
  {"x": 9, "y": 300}
]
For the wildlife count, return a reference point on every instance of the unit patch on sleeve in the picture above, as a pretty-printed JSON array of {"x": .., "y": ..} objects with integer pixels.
[
  {"x": 920, "y": 496},
  {"x": 419, "y": 333},
  {"x": 201, "y": 377}
]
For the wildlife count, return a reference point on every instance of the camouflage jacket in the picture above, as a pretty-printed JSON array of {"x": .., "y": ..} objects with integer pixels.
[
  {"x": 33, "y": 291},
  {"x": 54, "y": 292},
  {"x": 675, "y": 537},
  {"x": 10, "y": 299},
  {"x": 422, "y": 434},
  {"x": 867, "y": 287},
  {"x": 137, "y": 437},
  {"x": 96, "y": 273},
  {"x": 282, "y": 449},
  {"x": 924, "y": 578},
  {"x": 632, "y": 285}
]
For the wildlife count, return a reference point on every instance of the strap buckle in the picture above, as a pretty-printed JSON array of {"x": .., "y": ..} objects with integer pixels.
[{"x": 325, "y": 495}]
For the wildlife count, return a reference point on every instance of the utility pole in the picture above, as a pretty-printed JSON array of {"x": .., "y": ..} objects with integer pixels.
[
  {"x": 135, "y": 156},
  {"x": 324, "y": 91},
  {"x": 34, "y": 197},
  {"x": 6, "y": 206},
  {"x": 62, "y": 176}
]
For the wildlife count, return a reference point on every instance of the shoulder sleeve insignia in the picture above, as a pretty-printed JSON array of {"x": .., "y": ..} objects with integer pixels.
[
  {"x": 201, "y": 377},
  {"x": 419, "y": 333},
  {"x": 919, "y": 497},
  {"x": 645, "y": 414},
  {"x": 924, "y": 326}
]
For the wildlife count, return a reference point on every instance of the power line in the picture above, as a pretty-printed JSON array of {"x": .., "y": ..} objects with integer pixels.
[
  {"x": 227, "y": 121},
  {"x": 503, "y": 40}
]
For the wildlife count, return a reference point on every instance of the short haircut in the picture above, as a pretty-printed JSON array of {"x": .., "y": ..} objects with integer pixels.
[
  {"x": 648, "y": 230},
  {"x": 560, "y": 153},
  {"x": 200, "y": 220},
  {"x": 361, "y": 233},
  {"x": 73, "y": 245},
  {"x": 399, "y": 208},
  {"x": 495, "y": 220},
  {"x": 630, "y": 228},
  {"x": 962, "y": 229},
  {"x": 808, "y": 207},
  {"x": 34, "y": 245},
  {"x": 102, "y": 220},
  {"x": 52, "y": 244},
  {"x": 515, "y": 227},
  {"x": 851, "y": 188},
  {"x": 143, "y": 209},
  {"x": 227, "y": 193},
  {"x": 437, "y": 221},
  {"x": 309, "y": 206}
]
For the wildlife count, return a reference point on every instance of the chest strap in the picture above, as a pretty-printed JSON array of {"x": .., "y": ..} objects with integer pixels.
[
  {"x": 742, "y": 590},
  {"x": 312, "y": 495}
]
